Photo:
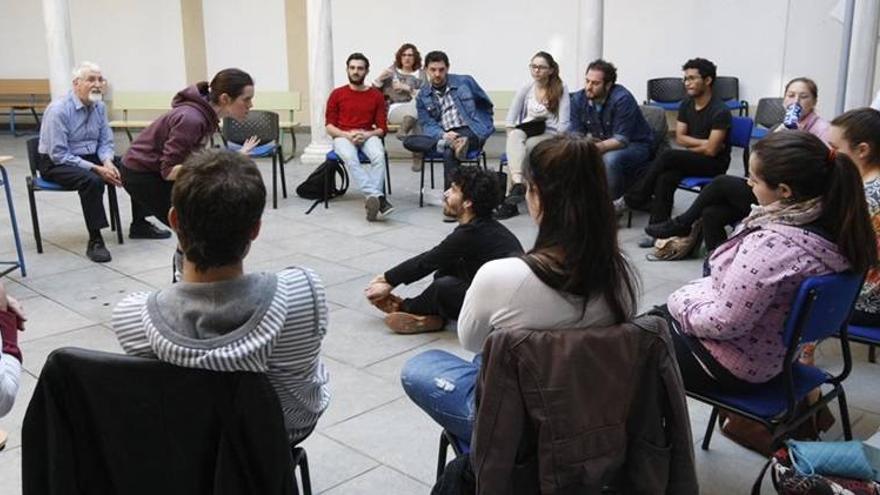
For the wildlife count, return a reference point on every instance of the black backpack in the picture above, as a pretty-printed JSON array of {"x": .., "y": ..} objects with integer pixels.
[{"x": 321, "y": 184}]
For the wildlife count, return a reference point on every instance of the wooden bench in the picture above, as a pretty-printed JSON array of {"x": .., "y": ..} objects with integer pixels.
[
  {"x": 24, "y": 94},
  {"x": 283, "y": 102},
  {"x": 152, "y": 103}
]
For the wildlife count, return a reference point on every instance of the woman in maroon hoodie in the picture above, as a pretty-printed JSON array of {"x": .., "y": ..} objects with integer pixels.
[{"x": 156, "y": 155}]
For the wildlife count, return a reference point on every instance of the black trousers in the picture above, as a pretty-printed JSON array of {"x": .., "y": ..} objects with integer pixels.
[
  {"x": 864, "y": 319},
  {"x": 149, "y": 190},
  {"x": 424, "y": 144},
  {"x": 90, "y": 187},
  {"x": 655, "y": 191},
  {"x": 724, "y": 201},
  {"x": 443, "y": 297}
]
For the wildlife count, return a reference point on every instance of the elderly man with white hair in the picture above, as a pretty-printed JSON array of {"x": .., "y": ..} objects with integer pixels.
[{"x": 76, "y": 151}]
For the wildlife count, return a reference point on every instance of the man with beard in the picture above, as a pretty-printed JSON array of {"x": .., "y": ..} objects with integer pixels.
[
  {"x": 478, "y": 239},
  {"x": 76, "y": 151},
  {"x": 703, "y": 124},
  {"x": 455, "y": 117},
  {"x": 356, "y": 120},
  {"x": 608, "y": 114}
]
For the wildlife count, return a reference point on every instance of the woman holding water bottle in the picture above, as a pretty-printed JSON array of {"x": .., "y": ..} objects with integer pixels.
[{"x": 728, "y": 199}]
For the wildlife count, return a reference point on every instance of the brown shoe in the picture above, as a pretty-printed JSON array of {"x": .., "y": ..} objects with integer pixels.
[
  {"x": 460, "y": 146},
  {"x": 408, "y": 324},
  {"x": 388, "y": 304}
]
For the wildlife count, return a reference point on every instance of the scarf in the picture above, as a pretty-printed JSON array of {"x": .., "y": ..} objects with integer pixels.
[{"x": 785, "y": 213}]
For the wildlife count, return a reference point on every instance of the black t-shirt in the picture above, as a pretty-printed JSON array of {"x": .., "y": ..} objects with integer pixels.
[{"x": 715, "y": 115}]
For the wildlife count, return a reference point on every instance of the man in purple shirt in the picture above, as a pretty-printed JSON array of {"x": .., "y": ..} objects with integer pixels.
[{"x": 76, "y": 151}]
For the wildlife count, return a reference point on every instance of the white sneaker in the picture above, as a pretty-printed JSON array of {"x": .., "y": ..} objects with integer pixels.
[{"x": 434, "y": 197}]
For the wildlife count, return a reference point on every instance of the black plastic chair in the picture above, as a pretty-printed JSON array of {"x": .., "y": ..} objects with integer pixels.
[
  {"x": 96, "y": 400},
  {"x": 770, "y": 113},
  {"x": 264, "y": 125},
  {"x": 821, "y": 309},
  {"x": 36, "y": 183},
  {"x": 666, "y": 92},
  {"x": 476, "y": 157},
  {"x": 727, "y": 88}
]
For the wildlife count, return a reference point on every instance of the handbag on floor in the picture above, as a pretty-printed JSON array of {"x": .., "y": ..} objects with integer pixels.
[{"x": 788, "y": 480}]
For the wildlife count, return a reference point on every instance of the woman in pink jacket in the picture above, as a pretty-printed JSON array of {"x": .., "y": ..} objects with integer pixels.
[{"x": 810, "y": 220}]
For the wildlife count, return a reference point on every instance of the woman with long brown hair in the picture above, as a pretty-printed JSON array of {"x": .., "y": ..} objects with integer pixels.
[
  {"x": 539, "y": 110},
  {"x": 574, "y": 277}
]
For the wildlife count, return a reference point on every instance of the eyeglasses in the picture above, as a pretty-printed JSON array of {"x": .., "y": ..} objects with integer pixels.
[
  {"x": 688, "y": 79},
  {"x": 539, "y": 67},
  {"x": 98, "y": 79}
]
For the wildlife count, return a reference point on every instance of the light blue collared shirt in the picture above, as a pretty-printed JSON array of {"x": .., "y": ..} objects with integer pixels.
[{"x": 71, "y": 129}]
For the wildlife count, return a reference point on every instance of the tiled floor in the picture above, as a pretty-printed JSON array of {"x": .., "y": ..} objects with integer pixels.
[{"x": 371, "y": 439}]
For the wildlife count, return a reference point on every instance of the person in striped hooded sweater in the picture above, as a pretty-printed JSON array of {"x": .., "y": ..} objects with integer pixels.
[{"x": 220, "y": 318}]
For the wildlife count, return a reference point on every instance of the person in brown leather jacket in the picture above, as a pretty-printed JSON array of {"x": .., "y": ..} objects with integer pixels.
[{"x": 572, "y": 278}]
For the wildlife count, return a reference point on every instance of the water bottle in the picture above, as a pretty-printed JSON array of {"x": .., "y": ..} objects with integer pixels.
[{"x": 792, "y": 116}]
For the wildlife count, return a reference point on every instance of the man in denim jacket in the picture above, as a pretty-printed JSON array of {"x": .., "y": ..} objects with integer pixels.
[
  {"x": 608, "y": 113},
  {"x": 455, "y": 115}
]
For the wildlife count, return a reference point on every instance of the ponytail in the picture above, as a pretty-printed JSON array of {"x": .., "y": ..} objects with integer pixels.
[{"x": 845, "y": 213}]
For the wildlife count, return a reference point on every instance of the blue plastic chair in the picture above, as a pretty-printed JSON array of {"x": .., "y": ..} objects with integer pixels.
[
  {"x": 363, "y": 158},
  {"x": 459, "y": 447},
  {"x": 821, "y": 309},
  {"x": 727, "y": 87},
  {"x": 769, "y": 114},
  {"x": 12, "y": 265},
  {"x": 740, "y": 135},
  {"x": 866, "y": 335},
  {"x": 36, "y": 183},
  {"x": 477, "y": 157},
  {"x": 666, "y": 93}
]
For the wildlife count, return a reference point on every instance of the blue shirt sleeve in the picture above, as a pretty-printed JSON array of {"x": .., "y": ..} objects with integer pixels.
[
  {"x": 576, "y": 122},
  {"x": 625, "y": 116},
  {"x": 54, "y": 134},
  {"x": 105, "y": 136}
]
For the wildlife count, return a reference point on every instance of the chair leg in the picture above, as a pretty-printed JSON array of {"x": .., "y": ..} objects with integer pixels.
[
  {"x": 422, "y": 185},
  {"x": 114, "y": 213},
  {"x": 281, "y": 168},
  {"x": 710, "y": 428},
  {"x": 387, "y": 175},
  {"x": 14, "y": 222},
  {"x": 35, "y": 220},
  {"x": 432, "y": 172},
  {"x": 274, "y": 183},
  {"x": 629, "y": 219},
  {"x": 872, "y": 353},
  {"x": 302, "y": 460},
  {"x": 844, "y": 415},
  {"x": 441, "y": 454}
]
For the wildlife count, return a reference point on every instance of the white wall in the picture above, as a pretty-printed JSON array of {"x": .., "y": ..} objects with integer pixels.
[
  {"x": 23, "y": 40},
  {"x": 250, "y": 36},
  {"x": 489, "y": 39},
  {"x": 139, "y": 45}
]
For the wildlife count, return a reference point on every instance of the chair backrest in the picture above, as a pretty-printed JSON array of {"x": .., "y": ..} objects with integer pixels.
[
  {"x": 151, "y": 427},
  {"x": 726, "y": 87},
  {"x": 656, "y": 118},
  {"x": 821, "y": 307},
  {"x": 33, "y": 146},
  {"x": 260, "y": 123},
  {"x": 666, "y": 89},
  {"x": 770, "y": 112}
]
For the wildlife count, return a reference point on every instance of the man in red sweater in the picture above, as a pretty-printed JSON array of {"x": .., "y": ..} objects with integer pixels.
[{"x": 356, "y": 121}]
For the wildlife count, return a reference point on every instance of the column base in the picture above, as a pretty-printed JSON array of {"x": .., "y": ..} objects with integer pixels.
[{"x": 315, "y": 153}]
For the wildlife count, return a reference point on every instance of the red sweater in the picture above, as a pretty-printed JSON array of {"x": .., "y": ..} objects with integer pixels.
[{"x": 348, "y": 109}]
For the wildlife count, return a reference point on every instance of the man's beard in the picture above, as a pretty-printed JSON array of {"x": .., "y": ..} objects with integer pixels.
[
  {"x": 358, "y": 82},
  {"x": 95, "y": 97}
]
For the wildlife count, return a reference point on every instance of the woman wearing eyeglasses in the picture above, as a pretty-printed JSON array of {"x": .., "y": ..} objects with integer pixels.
[
  {"x": 539, "y": 110},
  {"x": 399, "y": 83}
]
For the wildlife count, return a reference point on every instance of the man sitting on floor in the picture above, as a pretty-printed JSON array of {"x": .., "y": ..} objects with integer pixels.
[
  {"x": 220, "y": 318},
  {"x": 76, "y": 151},
  {"x": 478, "y": 239}
]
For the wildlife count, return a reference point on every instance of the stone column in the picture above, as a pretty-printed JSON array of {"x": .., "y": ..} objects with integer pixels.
[
  {"x": 56, "y": 17},
  {"x": 862, "y": 54},
  {"x": 590, "y": 34},
  {"x": 320, "y": 77}
]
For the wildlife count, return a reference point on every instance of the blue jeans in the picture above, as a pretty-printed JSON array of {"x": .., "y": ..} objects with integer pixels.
[
  {"x": 443, "y": 385},
  {"x": 425, "y": 144},
  {"x": 622, "y": 163},
  {"x": 370, "y": 177}
]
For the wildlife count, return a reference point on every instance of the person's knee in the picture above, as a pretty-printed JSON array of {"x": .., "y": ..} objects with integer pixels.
[
  {"x": 419, "y": 371},
  {"x": 447, "y": 282},
  {"x": 93, "y": 183}
]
